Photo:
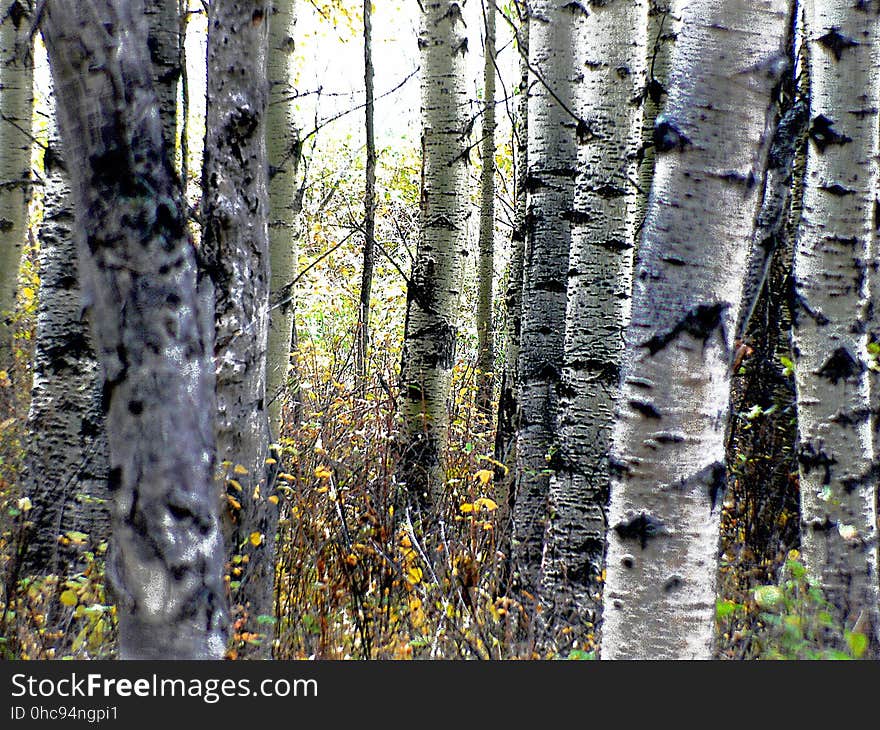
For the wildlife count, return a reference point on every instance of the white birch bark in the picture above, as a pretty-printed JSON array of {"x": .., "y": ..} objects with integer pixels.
[
  {"x": 235, "y": 253},
  {"x": 486, "y": 242},
  {"x": 554, "y": 31},
  {"x": 668, "y": 450},
  {"x": 66, "y": 462},
  {"x": 283, "y": 149},
  {"x": 508, "y": 397},
  {"x": 16, "y": 106},
  {"x": 838, "y": 479},
  {"x": 664, "y": 20},
  {"x": 434, "y": 288},
  {"x": 599, "y": 287},
  {"x": 152, "y": 330}
]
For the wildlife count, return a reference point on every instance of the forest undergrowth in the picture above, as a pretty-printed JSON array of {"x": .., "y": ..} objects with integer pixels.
[{"x": 361, "y": 576}]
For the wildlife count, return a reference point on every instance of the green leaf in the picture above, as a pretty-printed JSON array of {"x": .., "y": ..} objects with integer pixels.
[
  {"x": 723, "y": 609},
  {"x": 796, "y": 568},
  {"x": 770, "y": 598},
  {"x": 581, "y": 655},
  {"x": 858, "y": 643},
  {"x": 264, "y": 619}
]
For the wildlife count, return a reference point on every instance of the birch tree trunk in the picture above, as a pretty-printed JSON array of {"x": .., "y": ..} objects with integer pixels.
[
  {"x": 163, "y": 17},
  {"x": 838, "y": 480},
  {"x": 663, "y": 26},
  {"x": 363, "y": 326},
  {"x": 67, "y": 454},
  {"x": 235, "y": 252},
  {"x": 508, "y": 398},
  {"x": 668, "y": 467},
  {"x": 599, "y": 286},
  {"x": 284, "y": 152},
  {"x": 486, "y": 243},
  {"x": 433, "y": 291},
  {"x": 554, "y": 31},
  {"x": 16, "y": 105},
  {"x": 66, "y": 462},
  {"x": 151, "y": 328}
]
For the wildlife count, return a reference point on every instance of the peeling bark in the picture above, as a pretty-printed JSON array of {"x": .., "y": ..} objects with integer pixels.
[
  {"x": 668, "y": 448},
  {"x": 838, "y": 476},
  {"x": 433, "y": 290},
  {"x": 599, "y": 288},
  {"x": 152, "y": 331},
  {"x": 235, "y": 253}
]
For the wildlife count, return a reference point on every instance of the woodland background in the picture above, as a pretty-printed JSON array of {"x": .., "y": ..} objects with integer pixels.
[{"x": 417, "y": 418}]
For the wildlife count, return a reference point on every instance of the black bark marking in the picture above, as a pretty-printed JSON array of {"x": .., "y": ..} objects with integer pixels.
[
  {"x": 655, "y": 90},
  {"x": 810, "y": 457},
  {"x": 801, "y": 304},
  {"x": 667, "y": 136},
  {"x": 837, "y": 190},
  {"x": 617, "y": 467},
  {"x": 700, "y": 322},
  {"x": 836, "y": 42},
  {"x": 823, "y": 134},
  {"x": 646, "y": 409},
  {"x": 821, "y": 525},
  {"x": 551, "y": 285},
  {"x": 584, "y": 132},
  {"x": 609, "y": 191},
  {"x": 673, "y": 582},
  {"x": 576, "y": 217},
  {"x": 642, "y": 527},
  {"x": 840, "y": 365}
]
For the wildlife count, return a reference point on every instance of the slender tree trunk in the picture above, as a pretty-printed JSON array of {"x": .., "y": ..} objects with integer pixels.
[
  {"x": 165, "y": 44},
  {"x": 152, "y": 330},
  {"x": 66, "y": 462},
  {"x": 284, "y": 151},
  {"x": 663, "y": 26},
  {"x": 669, "y": 440},
  {"x": 599, "y": 287},
  {"x": 16, "y": 106},
  {"x": 363, "y": 328},
  {"x": 554, "y": 31},
  {"x": 505, "y": 432},
  {"x": 433, "y": 291},
  {"x": 486, "y": 245},
  {"x": 235, "y": 251},
  {"x": 838, "y": 477}
]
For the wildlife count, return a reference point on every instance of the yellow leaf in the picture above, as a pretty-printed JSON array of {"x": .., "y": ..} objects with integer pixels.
[
  {"x": 322, "y": 472},
  {"x": 485, "y": 476},
  {"x": 68, "y": 598},
  {"x": 273, "y": 499},
  {"x": 414, "y": 575},
  {"x": 284, "y": 476},
  {"x": 234, "y": 503},
  {"x": 239, "y": 469},
  {"x": 467, "y": 507},
  {"x": 485, "y": 503},
  {"x": 271, "y": 461},
  {"x": 234, "y": 484},
  {"x": 256, "y": 539}
]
